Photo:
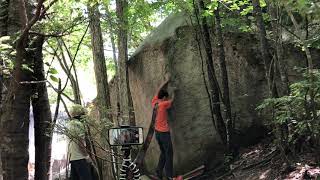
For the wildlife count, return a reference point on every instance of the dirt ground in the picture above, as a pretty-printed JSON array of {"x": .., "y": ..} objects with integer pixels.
[{"x": 265, "y": 162}]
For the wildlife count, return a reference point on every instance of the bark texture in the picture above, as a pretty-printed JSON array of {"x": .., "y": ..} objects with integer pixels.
[
  {"x": 15, "y": 116},
  {"x": 224, "y": 80},
  {"x": 213, "y": 83},
  {"x": 123, "y": 59},
  {"x": 100, "y": 69},
  {"x": 41, "y": 114},
  {"x": 275, "y": 12}
]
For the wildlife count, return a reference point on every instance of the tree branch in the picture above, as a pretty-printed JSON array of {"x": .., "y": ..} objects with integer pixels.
[
  {"x": 33, "y": 20},
  {"x": 47, "y": 8},
  {"x": 65, "y": 107},
  {"x": 56, "y": 113},
  {"x": 62, "y": 93},
  {"x": 23, "y": 14},
  {"x": 74, "y": 57},
  {"x": 48, "y": 35}
]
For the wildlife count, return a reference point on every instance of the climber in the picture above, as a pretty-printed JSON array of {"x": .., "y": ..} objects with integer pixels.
[{"x": 162, "y": 131}]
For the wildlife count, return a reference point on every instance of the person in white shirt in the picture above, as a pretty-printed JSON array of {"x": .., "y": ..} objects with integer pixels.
[{"x": 78, "y": 156}]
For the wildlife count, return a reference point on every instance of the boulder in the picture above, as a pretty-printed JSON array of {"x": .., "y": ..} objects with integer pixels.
[{"x": 173, "y": 48}]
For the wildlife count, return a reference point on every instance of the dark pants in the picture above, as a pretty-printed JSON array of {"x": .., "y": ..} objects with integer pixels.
[
  {"x": 80, "y": 170},
  {"x": 166, "y": 156}
]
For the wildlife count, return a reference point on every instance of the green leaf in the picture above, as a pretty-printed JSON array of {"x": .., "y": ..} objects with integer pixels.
[
  {"x": 53, "y": 71},
  {"x": 246, "y": 11},
  {"x": 53, "y": 78},
  {"x": 234, "y": 7}
]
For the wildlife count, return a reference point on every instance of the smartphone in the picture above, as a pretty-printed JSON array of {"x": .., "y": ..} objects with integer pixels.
[{"x": 125, "y": 136}]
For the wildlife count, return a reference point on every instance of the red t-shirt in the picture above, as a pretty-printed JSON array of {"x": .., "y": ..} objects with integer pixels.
[{"x": 161, "y": 124}]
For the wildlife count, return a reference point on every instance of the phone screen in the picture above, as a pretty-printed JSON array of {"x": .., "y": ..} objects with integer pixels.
[{"x": 126, "y": 136}]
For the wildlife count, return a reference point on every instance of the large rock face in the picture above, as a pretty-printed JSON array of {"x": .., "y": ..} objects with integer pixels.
[{"x": 173, "y": 48}]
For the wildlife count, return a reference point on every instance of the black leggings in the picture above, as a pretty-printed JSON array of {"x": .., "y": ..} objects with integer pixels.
[{"x": 166, "y": 156}]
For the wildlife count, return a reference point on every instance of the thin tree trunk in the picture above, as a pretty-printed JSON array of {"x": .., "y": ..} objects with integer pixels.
[
  {"x": 278, "y": 45},
  {"x": 127, "y": 103},
  {"x": 213, "y": 83},
  {"x": 1, "y": 172},
  {"x": 77, "y": 93},
  {"x": 132, "y": 119},
  {"x": 281, "y": 65},
  {"x": 111, "y": 34},
  {"x": 302, "y": 39},
  {"x": 225, "y": 80},
  {"x": 121, "y": 6},
  {"x": 112, "y": 28},
  {"x": 4, "y": 13},
  {"x": 100, "y": 69},
  {"x": 42, "y": 116},
  {"x": 264, "y": 48},
  {"x": 115, "y": 60}
]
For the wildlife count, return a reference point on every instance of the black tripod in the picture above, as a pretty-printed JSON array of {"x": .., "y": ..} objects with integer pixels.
[{"x": 128, "y": 170}]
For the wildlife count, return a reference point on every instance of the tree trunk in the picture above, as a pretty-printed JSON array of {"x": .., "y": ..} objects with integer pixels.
[
  {"x": 76, "y": 88},
  {"x": 112, "y": 39},
  {"x": 303, "y": 39},
  {"x": 14, "y": 129},
  {"x": 225, "y": 79},
  {"x": 4, "y": 7},
  {"x": 1, "y": 172},
  {"x": 213, "y": 83},
  {"x": 115, "y": 60},
  {"x": 100, "y": 69},
  {"x": 4, "y": 12},
  {"x": 264, "y": 48},
  {"x": 15, "y": 119},
  {"x": 278, "y": 45},
  {"x": 122, "y": 59},
  {"x": 15, "y": 116},
  {"x": 42, "y": 116}
]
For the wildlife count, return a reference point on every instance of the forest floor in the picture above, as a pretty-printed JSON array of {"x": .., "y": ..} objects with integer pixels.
[{"x": 264, "y": 161}]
